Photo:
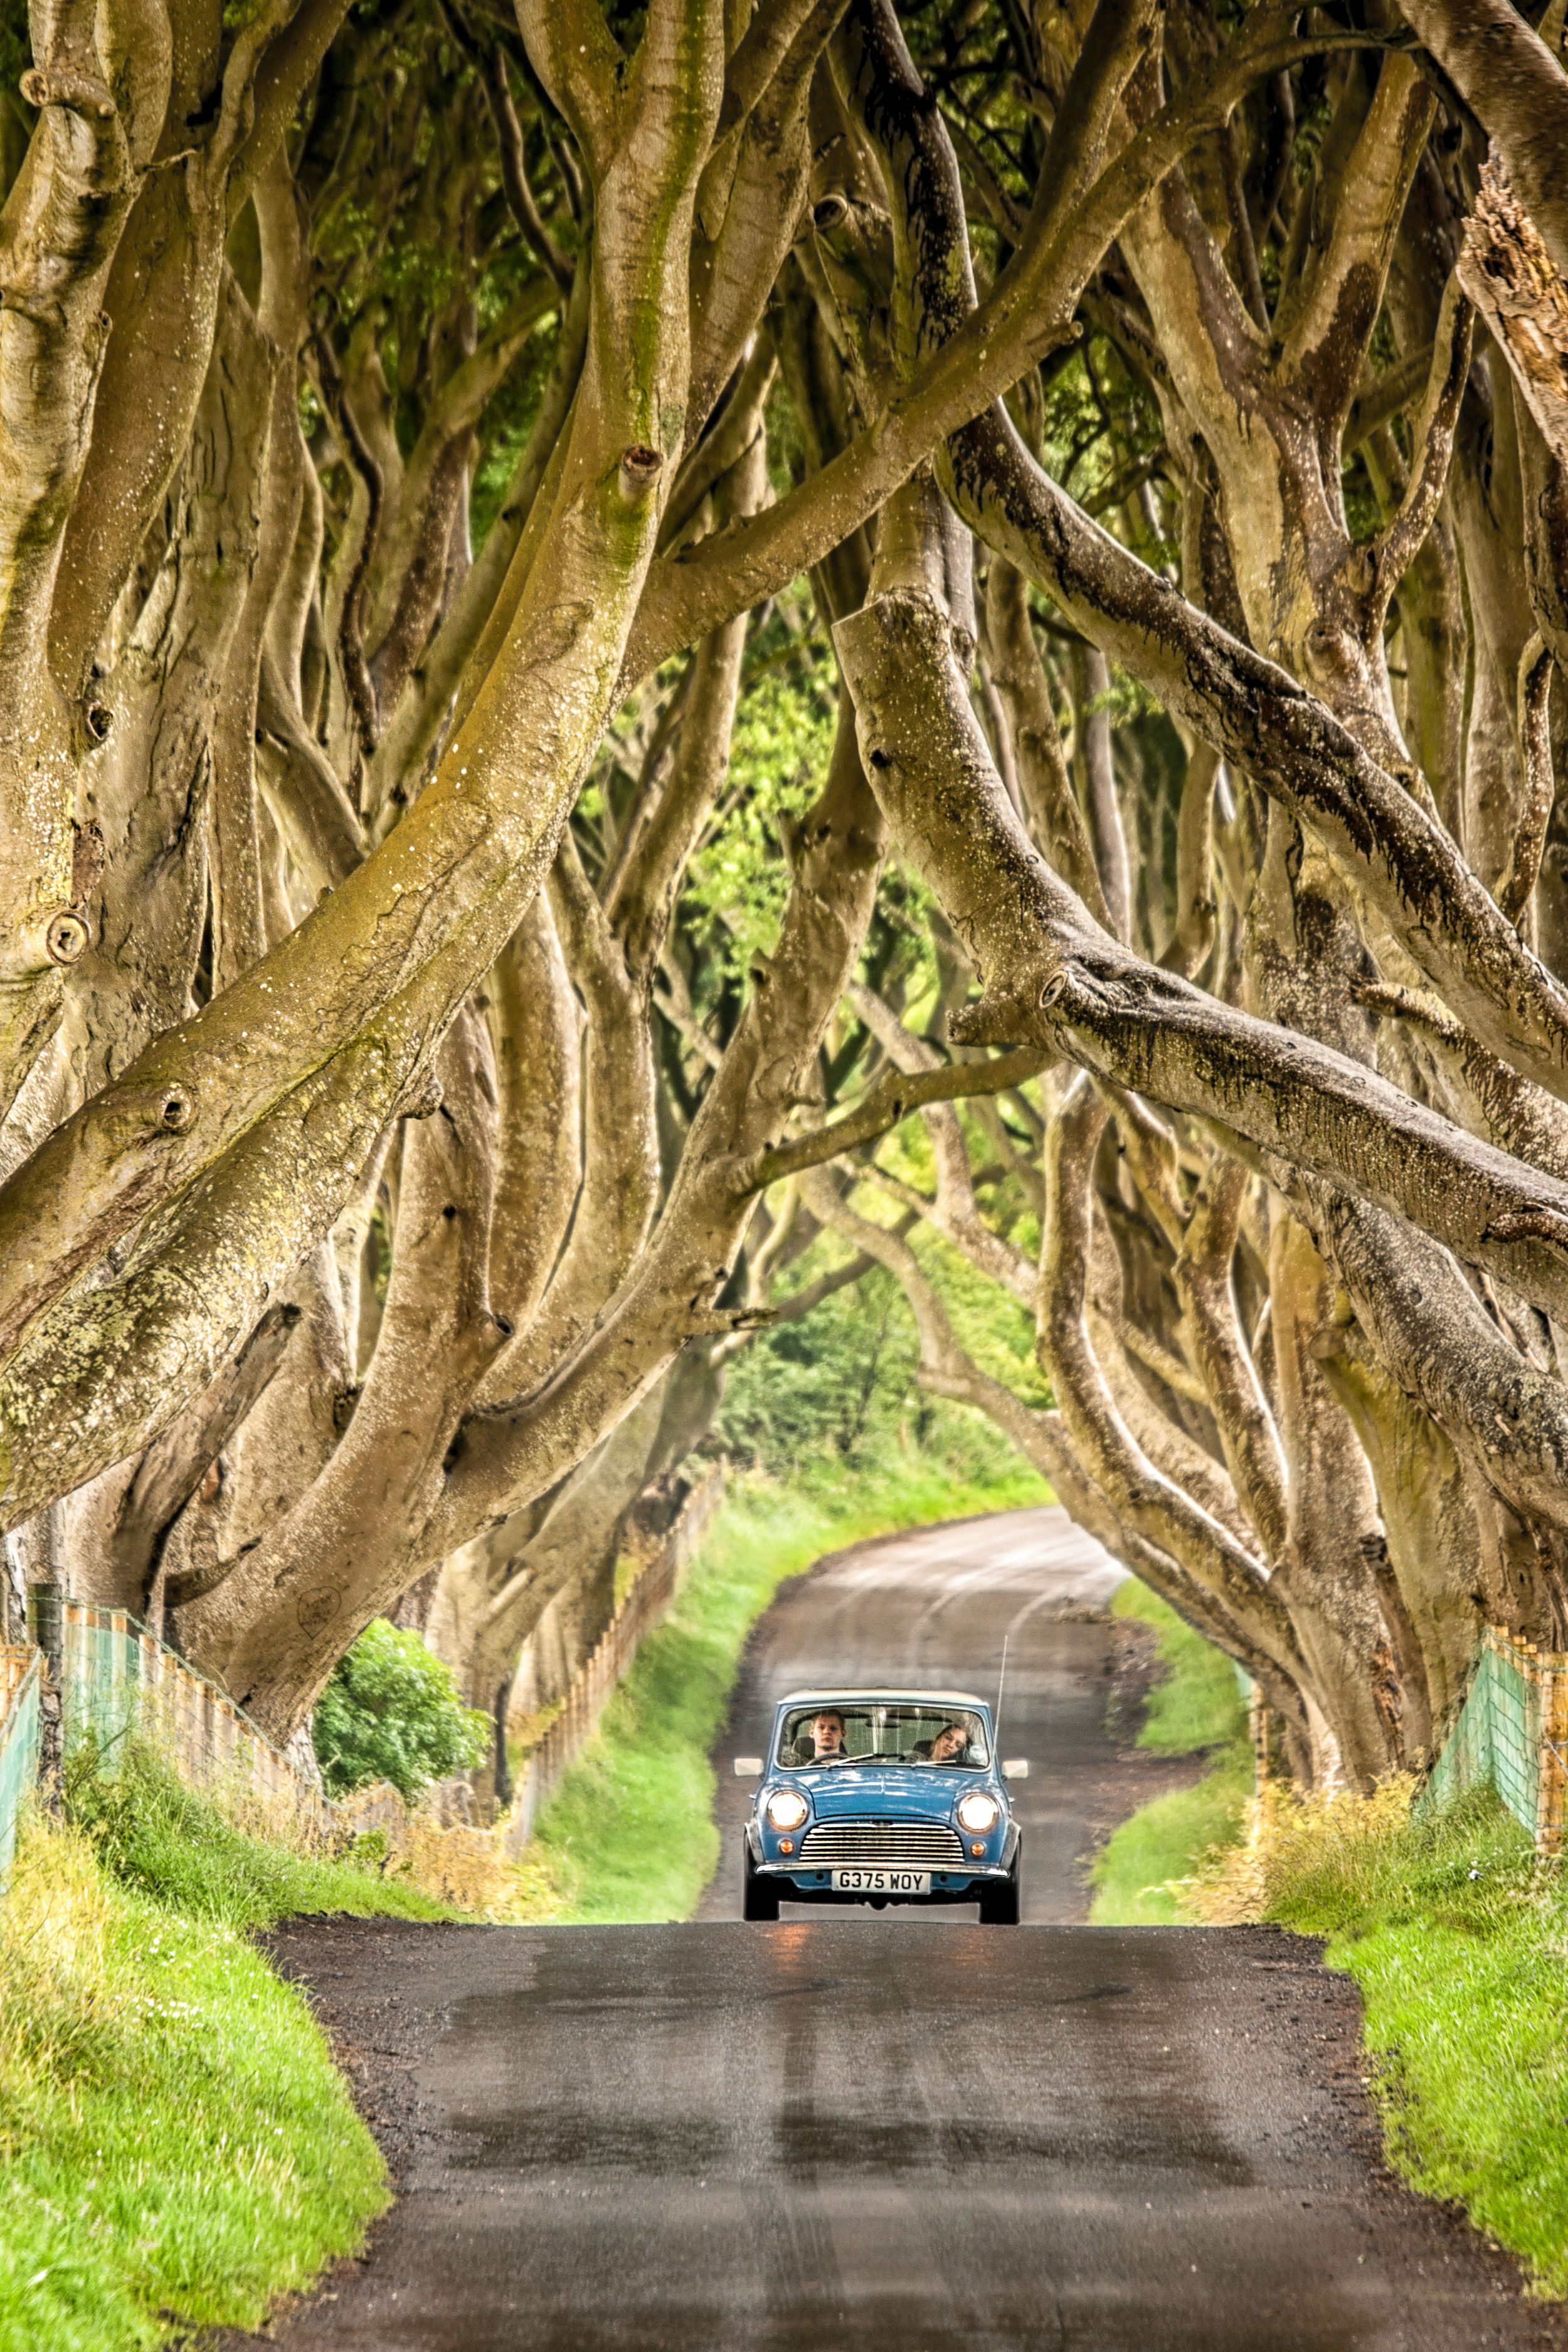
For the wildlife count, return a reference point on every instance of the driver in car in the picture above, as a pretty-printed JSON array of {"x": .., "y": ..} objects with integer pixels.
[{"x": 826, "y": 1742}]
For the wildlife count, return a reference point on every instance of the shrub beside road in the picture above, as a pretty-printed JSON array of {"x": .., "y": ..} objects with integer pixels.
[{"x": 391, "y": 1712}]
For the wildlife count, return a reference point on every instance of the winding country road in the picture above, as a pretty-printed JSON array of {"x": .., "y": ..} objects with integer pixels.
[
  {"x": 934, "y": 1607},
  {"x": 879, "y": 2132}
]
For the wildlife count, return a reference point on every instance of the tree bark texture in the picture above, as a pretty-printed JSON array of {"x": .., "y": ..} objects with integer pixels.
[{"x": 440, "y": 1000}]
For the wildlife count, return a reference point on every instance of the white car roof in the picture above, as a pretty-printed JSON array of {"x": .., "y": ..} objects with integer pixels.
[{"x": 843, "y": 1694}]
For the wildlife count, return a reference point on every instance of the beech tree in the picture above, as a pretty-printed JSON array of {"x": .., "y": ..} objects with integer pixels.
[{"x": 1139, "y": 427}]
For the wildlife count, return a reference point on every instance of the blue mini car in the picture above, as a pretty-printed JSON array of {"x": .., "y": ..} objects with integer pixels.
[{"x": 879, "y": 1797}]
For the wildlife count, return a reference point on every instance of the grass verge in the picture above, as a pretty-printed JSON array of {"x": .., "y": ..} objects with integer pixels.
[
  {"x": 176, "y": 2146},
  {"x": 1196, "y": 1706},
  {"x": 1458, "y": 1938},
  {"x": 630, "y": 1834}
]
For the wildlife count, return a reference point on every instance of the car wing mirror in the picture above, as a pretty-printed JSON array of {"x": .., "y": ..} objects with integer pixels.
[
  {"x": 1015, "y": 1767},
  {"x": 748, "y": 1768}
]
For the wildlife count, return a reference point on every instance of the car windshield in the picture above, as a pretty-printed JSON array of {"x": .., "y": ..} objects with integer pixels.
[{"x": 883, "y": 1731}]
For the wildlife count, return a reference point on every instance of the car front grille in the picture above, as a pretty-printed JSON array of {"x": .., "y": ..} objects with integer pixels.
[{"x": 901, "y": 1845}]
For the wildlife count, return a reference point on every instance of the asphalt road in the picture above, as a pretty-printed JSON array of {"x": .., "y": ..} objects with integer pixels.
[{"x": 872, "y": 2133}]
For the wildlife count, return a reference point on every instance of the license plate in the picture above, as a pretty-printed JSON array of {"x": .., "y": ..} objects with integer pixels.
[{"x": 882, "y": 1882}]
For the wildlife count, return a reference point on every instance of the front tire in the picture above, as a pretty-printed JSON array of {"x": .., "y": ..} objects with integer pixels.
[
  {"x": 1001, "y": 1899},
  {"x": 759, "y": 1897}
]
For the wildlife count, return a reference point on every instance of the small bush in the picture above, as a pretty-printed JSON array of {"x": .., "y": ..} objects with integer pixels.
[{"x": 391, "y": 1712}]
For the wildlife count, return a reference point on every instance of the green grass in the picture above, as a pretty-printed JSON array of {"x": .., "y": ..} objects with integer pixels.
[
  {"x": 176, "y": 2146},
  {"x": 1196, "y": 1705},
  {"x": 1457, "y": 1936},
  {"x": 1458, "y": 1940},
  {"x": 159, "y": 1837},
  {"x": 1136, "y": 1874},
  {"x": 630, "y": 1834}
]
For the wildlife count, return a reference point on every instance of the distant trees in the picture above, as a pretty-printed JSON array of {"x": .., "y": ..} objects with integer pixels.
[{"x": 602, "y": 611}]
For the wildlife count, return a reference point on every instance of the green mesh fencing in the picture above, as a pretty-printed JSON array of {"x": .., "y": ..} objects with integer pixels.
[
  {"x": 19, "y": 1740},
  {"x": 118, "y": 1678},
  {"x": 101, "y": 1674},
  {"x": 1510, "y": 1736}
]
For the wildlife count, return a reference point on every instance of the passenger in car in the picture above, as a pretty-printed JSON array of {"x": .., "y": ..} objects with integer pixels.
[
  {"x": 824, "y": 1743},
  {"x": 951, "y": 1745}
]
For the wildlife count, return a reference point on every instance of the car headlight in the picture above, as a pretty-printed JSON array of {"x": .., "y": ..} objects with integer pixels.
[
  {"x": 788, "y": 1809},
  {"x": 977, "y": 1811}
]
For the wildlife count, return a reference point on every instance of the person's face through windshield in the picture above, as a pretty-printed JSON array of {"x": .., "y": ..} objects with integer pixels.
[{"x": 879, "y": 1734}]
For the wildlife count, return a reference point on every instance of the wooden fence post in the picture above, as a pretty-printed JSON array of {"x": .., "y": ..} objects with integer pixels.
[{"x": 1549, "y": 1805}]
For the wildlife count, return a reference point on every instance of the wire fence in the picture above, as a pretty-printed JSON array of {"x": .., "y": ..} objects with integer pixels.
[
  {"x": 1511, "y": 1735},
  {"x": 21, "y": 1677},
  {"x": 117, "y": 1678}
]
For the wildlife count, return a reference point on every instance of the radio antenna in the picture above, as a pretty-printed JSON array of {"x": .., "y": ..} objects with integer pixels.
[{"x": 1001, "y": 1679}]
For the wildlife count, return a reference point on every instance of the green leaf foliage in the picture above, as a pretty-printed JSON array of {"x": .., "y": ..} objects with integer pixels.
[
  {"x": 391, "y": 1712},
  {"x": 785, "y": 720},
  {"x": 838, "y": 1389}
]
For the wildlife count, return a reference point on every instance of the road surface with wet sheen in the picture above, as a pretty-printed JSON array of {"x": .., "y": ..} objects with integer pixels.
[{"x": 879, "y": 2132}]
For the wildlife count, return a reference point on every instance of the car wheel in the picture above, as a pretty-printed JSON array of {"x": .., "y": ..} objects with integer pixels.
[
  {"x": 1000, "y": 1900},
  {"x": 759, "y": 1897}
]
